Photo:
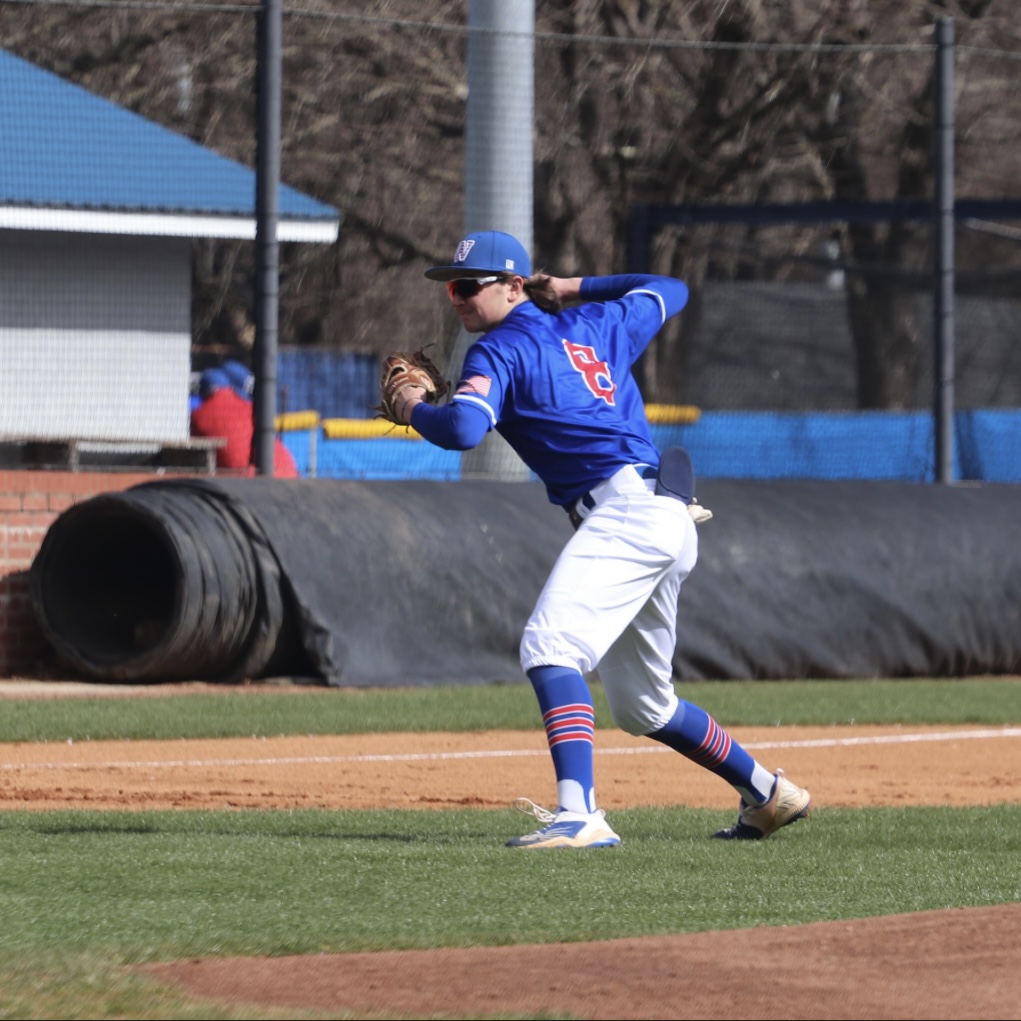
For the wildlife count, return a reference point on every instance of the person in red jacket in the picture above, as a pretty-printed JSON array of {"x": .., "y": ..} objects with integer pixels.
[{"x": 224, "y": 413}]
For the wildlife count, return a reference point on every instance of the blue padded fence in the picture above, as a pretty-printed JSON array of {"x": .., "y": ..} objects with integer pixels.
[
  {"x": 989, "y": 444},
  {"x": 337, "y": 386},
  {"x": 743, "y": 445},
  {"x": 772, "y": 445}
]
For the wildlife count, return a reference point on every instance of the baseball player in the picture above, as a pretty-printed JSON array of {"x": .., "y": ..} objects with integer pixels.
[{"x": 552, "y": 373}]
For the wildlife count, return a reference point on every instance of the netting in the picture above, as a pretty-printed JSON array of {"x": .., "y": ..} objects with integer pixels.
[{"x": 126, "y": 197}]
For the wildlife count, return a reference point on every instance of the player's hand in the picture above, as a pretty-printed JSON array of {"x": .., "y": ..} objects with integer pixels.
[
  {"x": 405, "y": 401},
  {"x": 567, "y": 289},
  {"x": 406, "y": 380}
]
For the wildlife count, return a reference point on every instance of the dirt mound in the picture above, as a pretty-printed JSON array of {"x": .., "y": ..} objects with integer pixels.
[{"x": 962, "y": 963}]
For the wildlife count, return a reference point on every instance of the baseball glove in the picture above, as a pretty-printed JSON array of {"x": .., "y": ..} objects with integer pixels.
[{"x": 401, "y": 370}]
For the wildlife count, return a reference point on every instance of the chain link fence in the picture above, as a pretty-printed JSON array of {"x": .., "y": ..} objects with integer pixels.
[{"x": 637, "y": 106}]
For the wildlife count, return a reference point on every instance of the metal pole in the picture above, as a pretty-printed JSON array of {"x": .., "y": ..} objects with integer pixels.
[
  {"x": 500, "y": 118},
  {"x": 267, "y": 254},
  {"x": 943, "y": 231},
  {"x": 498, "y": 162}
]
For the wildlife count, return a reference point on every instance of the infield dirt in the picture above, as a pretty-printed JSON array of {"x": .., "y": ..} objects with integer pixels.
[{"x": 963, "y": 963}]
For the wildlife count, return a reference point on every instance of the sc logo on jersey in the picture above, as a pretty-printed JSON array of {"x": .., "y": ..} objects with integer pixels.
[{"x": 594, "y": 371}]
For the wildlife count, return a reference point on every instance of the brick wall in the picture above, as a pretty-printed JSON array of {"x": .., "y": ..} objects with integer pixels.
[{"x": 29, "y": 502}]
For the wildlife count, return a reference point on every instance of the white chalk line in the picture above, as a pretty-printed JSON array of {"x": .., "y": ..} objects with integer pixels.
[{"x": 653, "y": 749}]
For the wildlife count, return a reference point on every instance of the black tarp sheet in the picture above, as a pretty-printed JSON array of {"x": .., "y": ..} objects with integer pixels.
[{"x": 420, "y": 582}]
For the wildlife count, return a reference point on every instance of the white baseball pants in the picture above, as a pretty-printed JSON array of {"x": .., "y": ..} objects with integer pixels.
[{"x": 610, "y": 602}]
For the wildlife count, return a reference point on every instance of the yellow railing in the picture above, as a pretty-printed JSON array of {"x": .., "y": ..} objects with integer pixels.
[
  {"x": 292, "y": 421},
  {"x": 371, "y": 428},
  {"x": 378, "y": 428},
  {"x": 365, "y": 429},
  {"x": 672, "y": 414}
]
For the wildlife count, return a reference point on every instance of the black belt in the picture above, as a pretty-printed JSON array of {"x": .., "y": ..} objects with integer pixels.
[
  {"x": 674, "y": 478},
  {"x": 586, "y": 500}
]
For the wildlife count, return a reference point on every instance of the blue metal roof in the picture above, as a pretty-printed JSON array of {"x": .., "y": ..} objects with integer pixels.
[{"x": 63, "y": 146}]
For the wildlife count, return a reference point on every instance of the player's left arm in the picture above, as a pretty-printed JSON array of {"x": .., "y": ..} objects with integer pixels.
[
  {"x": 454, "y": 426},
  {"x": 474, "y": 408}
]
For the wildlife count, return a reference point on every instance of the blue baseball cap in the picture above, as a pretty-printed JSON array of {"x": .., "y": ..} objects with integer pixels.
[
  {"x": 484, "y": 253},
  {"x": 212, "y": 380},
  {"x": 241, "y": 378}
]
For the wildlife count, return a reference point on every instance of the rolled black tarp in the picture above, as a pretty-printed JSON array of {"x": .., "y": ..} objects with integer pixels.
[
  {"x": 160, "y": 582},
  {"x": 381, "y": 583}
]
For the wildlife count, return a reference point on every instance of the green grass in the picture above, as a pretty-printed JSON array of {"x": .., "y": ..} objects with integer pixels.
[
  {"x": 509, "y": 706},
  {"x": 60, "y": 985},
  {"x": 145, "y": 886},
  {"x": 83, "y": 893}
]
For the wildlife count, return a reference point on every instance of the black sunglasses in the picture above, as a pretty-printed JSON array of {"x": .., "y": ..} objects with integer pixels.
[{"x": 468, "y": 287}]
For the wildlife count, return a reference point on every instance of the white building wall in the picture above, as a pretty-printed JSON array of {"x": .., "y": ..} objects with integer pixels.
[{"x": 95, "y": 336}]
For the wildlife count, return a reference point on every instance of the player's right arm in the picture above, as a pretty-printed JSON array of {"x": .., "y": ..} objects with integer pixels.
[{"x": 670, "y": 293}]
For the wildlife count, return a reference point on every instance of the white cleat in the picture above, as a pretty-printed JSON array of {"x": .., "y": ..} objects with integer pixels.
[
  {"x": 788, "y": 803},
  {"x": 565, "y": 829}
]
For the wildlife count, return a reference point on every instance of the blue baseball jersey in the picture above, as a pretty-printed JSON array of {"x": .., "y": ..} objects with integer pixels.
[{"x": 559, "y": 387}]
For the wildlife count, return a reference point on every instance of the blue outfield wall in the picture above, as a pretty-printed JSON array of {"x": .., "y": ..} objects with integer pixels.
[
  {"x": 893, "y": 446},
  {"x": 337, "y": 387},
  {"x": 750, "y": 445},
  {"x": 989, "y": 444}
]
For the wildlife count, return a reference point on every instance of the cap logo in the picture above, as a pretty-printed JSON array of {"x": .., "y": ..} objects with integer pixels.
[
  {"x": 508, "y": 263},
  {"x": 462, "y": 250}
]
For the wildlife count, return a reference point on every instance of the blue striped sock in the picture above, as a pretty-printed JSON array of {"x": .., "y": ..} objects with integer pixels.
[
  {"x": 696, "y": 735},
  {"x": 570, "y": 721}
]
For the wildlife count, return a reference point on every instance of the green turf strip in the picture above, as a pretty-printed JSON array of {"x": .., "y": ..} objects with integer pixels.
[
  {"x": 280, "y": 710},
  {"x": 145, "y": 886},
  {"x": 81, "y": 892}
]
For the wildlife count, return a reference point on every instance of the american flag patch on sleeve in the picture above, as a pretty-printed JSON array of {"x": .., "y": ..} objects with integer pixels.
[{"x": 475, "y": 385}]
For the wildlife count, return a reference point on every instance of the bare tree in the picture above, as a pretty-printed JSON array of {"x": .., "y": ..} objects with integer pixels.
[{"x": 638, "y": 103}]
